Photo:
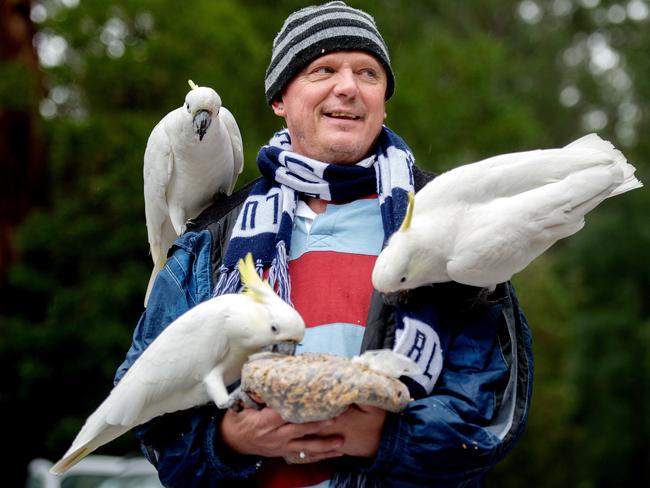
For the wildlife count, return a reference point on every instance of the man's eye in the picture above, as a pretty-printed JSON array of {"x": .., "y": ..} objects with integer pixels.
[
  {"x": 323, "y": 70},
  {"x": 369, "y": 72}
]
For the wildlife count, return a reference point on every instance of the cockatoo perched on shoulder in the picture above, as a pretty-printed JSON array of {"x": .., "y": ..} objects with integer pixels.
[
  {"x": 191, "y": 362},
  {"x": 481, "y": 223},
  {"x": 193, "y": 153}
]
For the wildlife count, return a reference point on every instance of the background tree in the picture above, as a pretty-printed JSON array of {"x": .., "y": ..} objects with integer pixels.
[
  {"x": 21, "y": 147},
  {"x": 474, "y": 79}
]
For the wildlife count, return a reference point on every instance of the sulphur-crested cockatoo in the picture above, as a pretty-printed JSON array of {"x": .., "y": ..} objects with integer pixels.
[
  {"x": 481, "y": 223},
  {"x": 191, "y": 362},
  {"x": 192, "y": 154}
]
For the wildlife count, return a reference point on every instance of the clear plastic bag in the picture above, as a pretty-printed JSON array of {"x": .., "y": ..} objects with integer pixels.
[{"x": 317, "y": 386}]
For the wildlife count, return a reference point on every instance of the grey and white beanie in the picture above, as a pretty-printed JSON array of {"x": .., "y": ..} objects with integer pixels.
[{"x": 313, "y": 31}]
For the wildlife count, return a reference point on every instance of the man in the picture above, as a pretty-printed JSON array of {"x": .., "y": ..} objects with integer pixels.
[{"x": 333, "y": 189}]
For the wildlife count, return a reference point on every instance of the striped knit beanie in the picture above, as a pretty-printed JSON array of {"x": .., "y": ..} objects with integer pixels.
[{"x": 313, "y": 31}]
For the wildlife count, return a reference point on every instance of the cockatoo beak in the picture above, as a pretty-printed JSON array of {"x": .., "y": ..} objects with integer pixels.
[
  {"x": 287, "y": 347},
  {"x": 202, "y": 121}
]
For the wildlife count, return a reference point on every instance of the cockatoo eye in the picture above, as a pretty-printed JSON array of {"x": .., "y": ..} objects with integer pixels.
[
  {"x": 274, "y": 328},
  {"x": 187, "y": 105},
  {"x": 403, "y": 279}
]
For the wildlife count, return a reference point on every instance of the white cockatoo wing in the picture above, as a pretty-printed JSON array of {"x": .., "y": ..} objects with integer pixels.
[
  {"x": 502, "y": 175},
  {"x": 595, "y": 143},
  {"x": 176, "y": 125},
  {"x": 167, "y": 377},
  {"x": 484, "y": 255},
  {"x": 232, "y": 128},
  {"x": 510, "y": 174},
  {"x": 157, "y": 172},
  {"x": 500, "y": 238}
]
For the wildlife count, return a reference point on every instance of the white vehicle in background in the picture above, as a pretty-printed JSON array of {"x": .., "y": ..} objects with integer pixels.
[{"x": 95, "y": 471}]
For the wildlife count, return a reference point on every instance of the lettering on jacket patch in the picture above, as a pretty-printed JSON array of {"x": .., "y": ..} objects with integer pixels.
[{"x": 421, "y": 343}]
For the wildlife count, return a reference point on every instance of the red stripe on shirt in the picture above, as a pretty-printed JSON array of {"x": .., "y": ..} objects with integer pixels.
[
  {"x": 276, "y": 473},
  {"x": 329, "y": 287}
]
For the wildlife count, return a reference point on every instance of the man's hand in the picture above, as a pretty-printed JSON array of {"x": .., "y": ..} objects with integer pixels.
[
  {"x": 265, "y": 433},
  {"x": 360, "y": 426}
]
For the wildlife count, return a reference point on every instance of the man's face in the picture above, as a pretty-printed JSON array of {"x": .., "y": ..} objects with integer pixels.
[{"x": 335, "y": 107}]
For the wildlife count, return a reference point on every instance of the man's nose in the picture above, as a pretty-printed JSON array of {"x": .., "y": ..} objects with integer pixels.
[{"x": 346, "y": 84}]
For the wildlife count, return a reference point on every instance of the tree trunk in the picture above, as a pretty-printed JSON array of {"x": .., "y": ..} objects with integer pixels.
[{"x": 22, "y": 163}]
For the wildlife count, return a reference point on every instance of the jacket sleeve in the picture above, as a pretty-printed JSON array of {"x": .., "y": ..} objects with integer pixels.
[
  {"x": 181, "y": 445},
  {"x": 476, "y": 411}
]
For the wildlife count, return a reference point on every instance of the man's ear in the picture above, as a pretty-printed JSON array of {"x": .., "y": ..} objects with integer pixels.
[{"x": 278, "y": 107}]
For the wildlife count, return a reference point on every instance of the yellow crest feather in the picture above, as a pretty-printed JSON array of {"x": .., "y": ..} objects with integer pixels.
[
  {"x": 251, "y": 280},
  {"x": 406, "y": 223},
  {"x": 193, "y": 85}
]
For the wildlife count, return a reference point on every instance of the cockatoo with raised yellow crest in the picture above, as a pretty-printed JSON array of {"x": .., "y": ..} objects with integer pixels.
[
  {"x": 481, "y": 223},
  {"x": 192, "y": 154},
  {"x": 192, "y": 362}
]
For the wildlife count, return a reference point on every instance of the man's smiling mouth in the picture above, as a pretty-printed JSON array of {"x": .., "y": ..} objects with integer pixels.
[{"x": 341, "y": 115}]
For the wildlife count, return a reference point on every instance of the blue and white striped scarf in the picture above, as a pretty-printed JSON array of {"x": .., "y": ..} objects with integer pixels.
[{"x": 265, "y": 223}]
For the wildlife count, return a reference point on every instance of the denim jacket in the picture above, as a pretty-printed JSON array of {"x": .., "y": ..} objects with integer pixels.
[{"x": 473, "y": 417}]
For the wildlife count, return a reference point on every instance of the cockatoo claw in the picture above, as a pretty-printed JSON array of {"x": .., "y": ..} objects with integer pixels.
[
  {"x": 240, "y": 399},
  {"x": 487, "y": 297},
  {"x": 395, "y": 298}
]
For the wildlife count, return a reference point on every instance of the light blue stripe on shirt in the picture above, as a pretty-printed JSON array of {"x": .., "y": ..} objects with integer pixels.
[
  {"x": 354, "y": 227},
  {"x": 338, "y": 338}
]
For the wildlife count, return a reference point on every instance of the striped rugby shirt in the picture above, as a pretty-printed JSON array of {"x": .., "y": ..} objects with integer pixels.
[{"x": 330, "y": 263}]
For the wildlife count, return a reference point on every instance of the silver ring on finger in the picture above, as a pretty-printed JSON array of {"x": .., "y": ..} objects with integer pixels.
[{"x": 302, "y": 456}]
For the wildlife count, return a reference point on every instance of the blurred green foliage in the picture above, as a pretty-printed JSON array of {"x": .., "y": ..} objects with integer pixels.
[{"x": 474, "y": 79}]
